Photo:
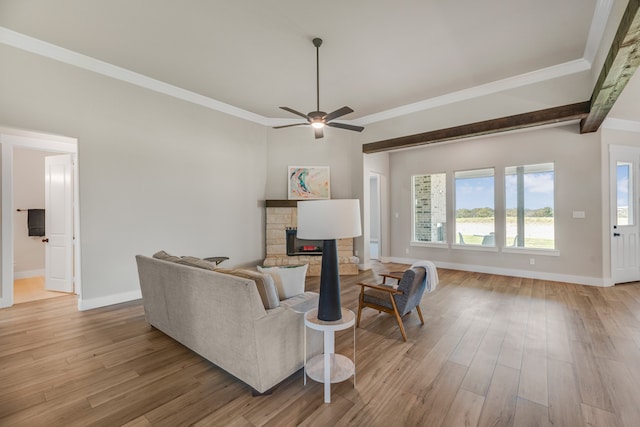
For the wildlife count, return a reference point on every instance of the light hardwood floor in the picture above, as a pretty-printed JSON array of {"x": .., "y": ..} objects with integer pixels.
[
  {"x": 32, "y": 289},
  {"x": 494, "y": 351}
]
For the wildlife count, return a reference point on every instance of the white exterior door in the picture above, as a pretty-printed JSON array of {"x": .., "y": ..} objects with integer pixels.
[
  {"x": 624, "y": 177},
  {"x": 59, "y": 223}
]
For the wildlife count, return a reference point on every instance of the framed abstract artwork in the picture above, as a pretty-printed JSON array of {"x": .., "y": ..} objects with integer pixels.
[{"x": 308, "y": 182}]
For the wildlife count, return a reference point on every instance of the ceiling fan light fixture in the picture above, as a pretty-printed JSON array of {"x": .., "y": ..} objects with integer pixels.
[{"x": 319, "y": 119}]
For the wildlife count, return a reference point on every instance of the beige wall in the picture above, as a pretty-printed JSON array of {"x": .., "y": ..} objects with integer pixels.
[
  {"x": 577, "y": 187},
  {"x": 297, "y": 147},
  {"x": 159, "y": 173},
  {"x": 154, "y": 172}
]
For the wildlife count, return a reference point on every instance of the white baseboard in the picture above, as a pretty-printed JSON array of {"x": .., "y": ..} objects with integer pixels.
[
  {"x": 91, "y": 303},
  {"x": 363, "y": 266},
  {"x": 540, "y": 275},
  {"x": 28, "y": 273}
]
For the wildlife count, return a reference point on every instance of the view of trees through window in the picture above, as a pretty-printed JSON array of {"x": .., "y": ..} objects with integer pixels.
[
  {"x": 475, "y": 215},
  {"x": 529, "y": 195},
  {"x": 528, "y": 210}
]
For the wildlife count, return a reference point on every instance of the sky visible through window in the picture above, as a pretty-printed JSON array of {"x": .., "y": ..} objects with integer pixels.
[
  {"x": 478, "y": 192},
  {"x": 474, "y": 193},
  {"x": 623, "y": 186},
  {"x": 538, "y": 190}
]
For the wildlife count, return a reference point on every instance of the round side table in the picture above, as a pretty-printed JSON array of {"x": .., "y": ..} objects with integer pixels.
[{"x": 329, "y": 367}]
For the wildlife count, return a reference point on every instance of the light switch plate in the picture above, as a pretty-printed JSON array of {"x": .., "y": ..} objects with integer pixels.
[{"x": 579, "y": 214}]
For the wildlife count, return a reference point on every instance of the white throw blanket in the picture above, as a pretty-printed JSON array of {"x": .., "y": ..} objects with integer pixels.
[{"x": 432, "y": 274}]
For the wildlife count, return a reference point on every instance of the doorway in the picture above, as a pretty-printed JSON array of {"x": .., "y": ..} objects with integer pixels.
[
  {"x": 375, "y": 230},
  {"x": 15, "y": 144},
  {"x": 30, "y": 234},
  {"x": 624, "y": 181}
]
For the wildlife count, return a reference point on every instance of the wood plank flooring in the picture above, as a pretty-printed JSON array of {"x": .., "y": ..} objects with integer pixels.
[
  {"x": 32, "y": 289},
  {"x": 494, "y": 351}
]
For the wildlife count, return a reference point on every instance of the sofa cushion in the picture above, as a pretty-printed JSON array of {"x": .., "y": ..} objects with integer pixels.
[
  {"x": 264, "y": 283},
  {"x": 166, "y": 257},
  {"x": 196, "y": 262},
  {"x": 289, "y": 279}
]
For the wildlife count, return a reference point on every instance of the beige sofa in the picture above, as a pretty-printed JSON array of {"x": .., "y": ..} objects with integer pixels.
[{"x": 222, "y": 318}]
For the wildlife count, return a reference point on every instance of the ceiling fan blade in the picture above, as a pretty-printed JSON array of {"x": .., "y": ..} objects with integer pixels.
[
  {"x": 318, "y": 132},
  {"x": 346, "y": 126},
  {"x": 288, "y": 126},
  {"x": 295, "y": 112},
  {"x": 338, "y": 113}
]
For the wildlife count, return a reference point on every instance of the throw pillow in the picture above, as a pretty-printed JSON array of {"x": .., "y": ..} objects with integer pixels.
[
  {"x": 264, "y": 283},
  {"x": 289, "y": 279},
  {"x": 166, "y": 257},
  {"x": 196, "y": 262}
]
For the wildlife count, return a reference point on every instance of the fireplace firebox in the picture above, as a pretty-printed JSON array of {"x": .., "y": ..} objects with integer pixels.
[{"x": 297, "y": 246}]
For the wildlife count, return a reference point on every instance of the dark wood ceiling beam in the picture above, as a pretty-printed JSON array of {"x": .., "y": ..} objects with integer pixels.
[
  {"x": 503, "y": 124},
  {"x": 622, "y": 61}
]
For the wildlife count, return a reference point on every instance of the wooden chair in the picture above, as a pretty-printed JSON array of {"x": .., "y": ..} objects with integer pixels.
[{"x": 397, "y": 301}]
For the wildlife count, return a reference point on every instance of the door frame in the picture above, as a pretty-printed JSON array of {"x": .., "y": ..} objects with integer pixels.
[
  {"x": 13, "y": 138},
  {"x": 378, "y": 208}
]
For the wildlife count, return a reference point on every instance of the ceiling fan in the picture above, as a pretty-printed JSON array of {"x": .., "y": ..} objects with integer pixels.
[{"x": 319, "y": 119}]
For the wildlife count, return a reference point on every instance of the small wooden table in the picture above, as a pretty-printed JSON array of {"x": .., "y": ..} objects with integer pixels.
[
  {"x": 216, "y": 259},
  {"x": 329, "y": 367}
]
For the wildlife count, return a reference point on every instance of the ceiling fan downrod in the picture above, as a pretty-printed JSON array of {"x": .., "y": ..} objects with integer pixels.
[{"x": 317, "y": 42}]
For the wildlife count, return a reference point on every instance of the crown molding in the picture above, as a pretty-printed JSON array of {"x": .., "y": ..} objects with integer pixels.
[
  {"x": 598, "y": 26},
  {"x": 48, "y": 50},
  {"x": 621, "y": 124},
  {"x": 537, "y": 76}
]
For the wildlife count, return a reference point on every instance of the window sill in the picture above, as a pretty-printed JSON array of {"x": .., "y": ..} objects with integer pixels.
[
  {"x": 480, "y": 248},
  {"x": 429, "y": 244},
  {"x": 531, "y": 251}
]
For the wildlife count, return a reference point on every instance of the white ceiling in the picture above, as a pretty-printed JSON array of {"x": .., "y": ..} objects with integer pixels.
[{"x": 256, "y": 55}]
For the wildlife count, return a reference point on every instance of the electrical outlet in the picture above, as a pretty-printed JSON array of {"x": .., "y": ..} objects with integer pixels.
[
  {"x": 406, "y": 251},
  {"x": 532, "y": 261}
]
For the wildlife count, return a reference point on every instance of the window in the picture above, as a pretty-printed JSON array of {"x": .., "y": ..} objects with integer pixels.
[
  {"x": 475, "y": 219},
  {"x": 624, "y": 193},
  {"x": 429, "y": 208},
  {"x": 529, "y": 196}
]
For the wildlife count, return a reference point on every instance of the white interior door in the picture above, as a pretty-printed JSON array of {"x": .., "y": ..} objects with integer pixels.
[
  {"x": 59, "y": 223},
  {"x": 624, "y": 178}
]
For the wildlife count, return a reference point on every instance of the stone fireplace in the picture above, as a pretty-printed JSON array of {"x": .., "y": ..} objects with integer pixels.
[{"x": 281, "y": 224}]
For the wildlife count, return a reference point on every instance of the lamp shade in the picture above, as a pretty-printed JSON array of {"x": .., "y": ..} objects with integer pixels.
[{"x": 329, "y": 219}]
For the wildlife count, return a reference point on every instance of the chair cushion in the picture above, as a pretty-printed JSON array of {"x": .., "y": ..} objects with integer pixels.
[
  {"x": 289, "y": 280},
  {"x": 264, "y": 283},
  {"x": 374, "y": 296}
]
